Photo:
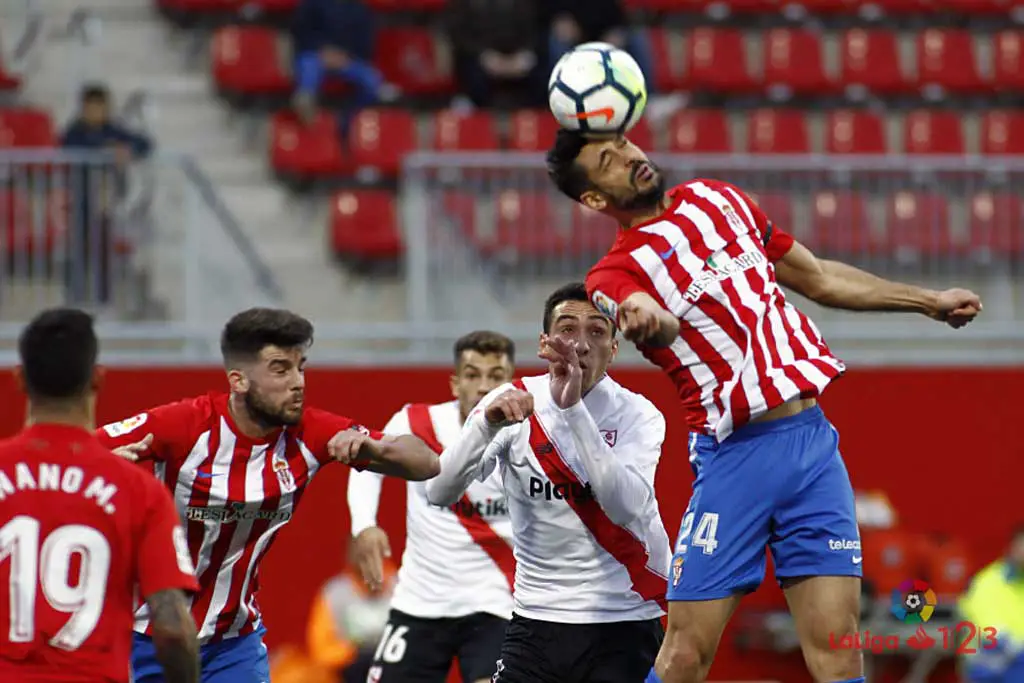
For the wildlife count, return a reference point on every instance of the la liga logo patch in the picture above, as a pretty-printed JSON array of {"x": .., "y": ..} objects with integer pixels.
[{"x": 116, "y": 429}]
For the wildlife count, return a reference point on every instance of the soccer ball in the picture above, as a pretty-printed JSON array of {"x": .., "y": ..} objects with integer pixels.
[
  {"x": 913, "y": 602},
  {"x": 597, "y": 88}
]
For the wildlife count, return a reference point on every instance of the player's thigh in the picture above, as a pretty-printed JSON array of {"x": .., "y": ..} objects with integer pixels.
[
  {"x": 532, "y": 652},
  {"x": 719, "y": 550},
  {"x": 414, "y": 650},
  {"x": 236, "y": 660},
  {"x": 479, "y": 647},
  {"x": 814, "y": 529},
  {"x": 826, "y": 609},
  {"x": 625, "y": 652}
]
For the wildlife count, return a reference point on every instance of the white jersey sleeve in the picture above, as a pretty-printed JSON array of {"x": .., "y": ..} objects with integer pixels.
[
  {"x": 623, "y": 486},
  {"x": 473, "y": 456},
  {"x": 364, "y": 486}
]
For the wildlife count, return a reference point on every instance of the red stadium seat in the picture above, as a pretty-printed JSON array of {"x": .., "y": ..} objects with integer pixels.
[
  {"x": 700, "y": 131},
  {"x": 997, "y": 224},
  {"x": 642, "y": 136},
  {"x": 524, "y": 228},
  {"x": 793, "y": 62},
  {"x": 411, "y": 59},
  {"x": 455, "y": 131},
  {"x": 854, "y": 132},
  {"x": 669, "y": 66},
  {"x": 840, "y": 225},
  {"x": 870, "y": 62},
  {"x": 363, "y": 225},
  {"x": 19, "y": 231},
  {"x": 246, "y": 61},
  {"x": 270, "y": 6},
  {"x": 303, "y": 150},
  {"x": 594, "y": 233},
  {"x": 777, "y": 131},
  {"x": 899, "y": 7},
  {"x": 532, "y": 130},
  {"x": 917, "y": 224},
  {"x": 946, "y": 61},
  {"x": 380, "y": 138},
  {"x": 975, "y": 7},
  {"x": 717, "y": 61},
  {"x": 828, "y": 7},
  {"x": 932, "y": 132},
  {"x": 26, "y": 128},
  {"x": 1008, "y": 61},
  {"x": 778, "y": 206},
  {"x": 1002, "y": 132},
  {"x": 890, "y": 558},
  {"x": 946, "y": 567},
  {"x": 8, "y": 81}
]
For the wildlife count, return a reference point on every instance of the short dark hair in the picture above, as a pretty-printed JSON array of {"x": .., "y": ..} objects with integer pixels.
[
  {"x": 95, "y": 91},
  {"x": 249, "y": 332},
  {"x": 567, "y": 174},
  {"x": 574, "y": 291},
  {"x": 58, "y": 352},
  {"x": 484, "y": 342}
]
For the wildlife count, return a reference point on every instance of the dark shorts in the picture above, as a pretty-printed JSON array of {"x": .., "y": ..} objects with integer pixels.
[
  {"x": 415, "y": 650},
  {"x": 547, "y": 652}
]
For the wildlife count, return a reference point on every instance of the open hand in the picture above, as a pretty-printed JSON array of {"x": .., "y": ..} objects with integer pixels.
[
  {"x": 566, "y": 373},
  {"x": 134, "y": 451},
  {"x": 957, "y": 307},
  {"x": 511, "y": 407},
  {"x": 368, "y": 551}
]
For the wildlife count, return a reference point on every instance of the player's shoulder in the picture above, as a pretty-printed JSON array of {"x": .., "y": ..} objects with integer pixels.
[
  {"x": 183, "y": 416},
  {"x": 633, "y": 407}
]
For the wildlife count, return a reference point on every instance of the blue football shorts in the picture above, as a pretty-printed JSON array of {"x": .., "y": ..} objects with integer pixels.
[
  {"x": 780, "y": 484},
  {"x": 233, "y": 660}
]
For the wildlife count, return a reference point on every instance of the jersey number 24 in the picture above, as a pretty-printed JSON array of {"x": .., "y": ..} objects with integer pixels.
[{"x": 704, "y": 537}]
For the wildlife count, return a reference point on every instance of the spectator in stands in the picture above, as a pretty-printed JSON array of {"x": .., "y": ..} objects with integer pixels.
[
  {"x": 347, "y": 623},
  {"x": 500, "y": 51},
  {"x": 582, "y": 21},
  {"x": 94, "y": 191},
  {"x": 335, "y": 37},
  {"x": 995, "y": 600}
]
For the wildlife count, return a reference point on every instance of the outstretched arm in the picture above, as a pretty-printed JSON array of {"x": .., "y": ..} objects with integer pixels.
[
  {"x": 404, "y": 456},
  {"x": 838, "y": 285}
]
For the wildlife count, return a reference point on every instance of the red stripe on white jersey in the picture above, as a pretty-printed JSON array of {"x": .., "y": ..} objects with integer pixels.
[
  {"x": 619, "y": 542},
  {"x": 478, "y": 529}
]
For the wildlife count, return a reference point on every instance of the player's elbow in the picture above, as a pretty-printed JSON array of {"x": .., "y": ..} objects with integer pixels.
[
  {"x": 409, "y": 458},
  {"x": 440, "y": 495}
]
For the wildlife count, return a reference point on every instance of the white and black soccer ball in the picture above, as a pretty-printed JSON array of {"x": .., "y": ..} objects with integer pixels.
[
  {"x": 912, "y": 602},
  {"x": 597, "y": 88}
]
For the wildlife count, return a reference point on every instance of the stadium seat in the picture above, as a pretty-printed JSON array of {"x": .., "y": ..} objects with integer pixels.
[
  {"x": 363, "y": 225},
  {"x": 932, "y": 132},
  {"x": 26, "y": 128},
  {"x": 277, "y": 7},
  {"x": 827, "y": 7},
  {"x": 854, "y": 132},
  {"x": 997, "y": 225},
  {"x": 306, "y": 151},
  {"x": 524, "y": 228},
  {"x": 246, "y": 61},
  {"x": 898, "y": 7},
  {"x": 1002, "y": 132},
  {"x": 946, "y": 566},
  {"x": 642, "y": 136},
  {"x": 379, "y": 138},
  {"x": 890, "y": 558},
  {"x": 593, "y": 232},
  {"x": 531, "y": 130},
  {"x": 946, "y": 62},
  {"x": 701, "y": 131},
  {"x": 411, "y": 58},
  {"x": 20, "y": 233},
  {"x": 669, "y": 65},
  {"x": 1008, "y": 61},
  {"x": 777, "y": 131},
  {"x": 975, "y": 7},
  {"x": 778, "y": 206},
  {"x": 793, "y": 63},
  {"x": 717, "y": 61},
  {"x": 870, "y": 62},
  {"x": 840, "y": 225},
  {"x": 8, "y": 81},
  {"x": 917, "y": 224},
  {"x": 455, "y": 131}
]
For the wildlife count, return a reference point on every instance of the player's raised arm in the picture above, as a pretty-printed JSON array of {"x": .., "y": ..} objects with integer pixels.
[
  {"x": 623, "y": 490},
  {"x": 838, "y": 285},
  {"x": 483, "y": 438}
]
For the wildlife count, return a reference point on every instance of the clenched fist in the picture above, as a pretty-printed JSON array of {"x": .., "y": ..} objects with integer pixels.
[
  {"x": 956, "y": 307},
  {"x": 350, "y": 445},
  {"x": 511, "y": 407}
]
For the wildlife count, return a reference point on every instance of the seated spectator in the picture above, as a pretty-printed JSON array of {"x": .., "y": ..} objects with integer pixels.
[
  {"x": 335, "y": 37},
  {"x": 583, "y": 21},
  {"x": 996, "y": 599},
  {"x": 500, "y": 51},
  {"x": 347, "y": 622},
  {"x": 94, "y": 190}
]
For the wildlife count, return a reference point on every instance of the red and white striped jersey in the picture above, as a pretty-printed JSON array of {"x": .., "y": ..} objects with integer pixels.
[
  {"x": 458, "y": 559},
  {"x": 234, "y": 494},
  {"x": 590, "y": 545},
  {"x": 742, "y": 348}
]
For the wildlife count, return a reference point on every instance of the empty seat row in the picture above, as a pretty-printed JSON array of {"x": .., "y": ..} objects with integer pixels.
[
  {"x": 822, "y": 7},
  {"x": 380, "y": 138},
  {"x": 539, "y": 225},
  {"x": 253, "y": 60}
]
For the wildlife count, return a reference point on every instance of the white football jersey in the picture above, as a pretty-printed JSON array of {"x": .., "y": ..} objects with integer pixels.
[
  {"x": 590, "y": 546},
  {"x": 458, "y": 559}
]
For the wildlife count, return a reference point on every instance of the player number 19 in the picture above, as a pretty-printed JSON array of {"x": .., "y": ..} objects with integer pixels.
[
  {"x": 50, "y": 568},
  {"x": 704, "y": 536}
]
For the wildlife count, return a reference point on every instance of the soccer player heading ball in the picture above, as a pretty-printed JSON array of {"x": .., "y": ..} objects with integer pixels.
[{"x": 695, "y": 280}]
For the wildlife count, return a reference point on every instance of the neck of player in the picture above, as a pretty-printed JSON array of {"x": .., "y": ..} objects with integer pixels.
[
  {"x": 71, "y": 413},
  {"x": 246, "y": 423},
  {"x": 634, "y": 219}
]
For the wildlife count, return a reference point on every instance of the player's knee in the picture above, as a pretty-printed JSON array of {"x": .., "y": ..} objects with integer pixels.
[
  {"x": 685, "y": 652},
  {"x": 829, "y": 663}
]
